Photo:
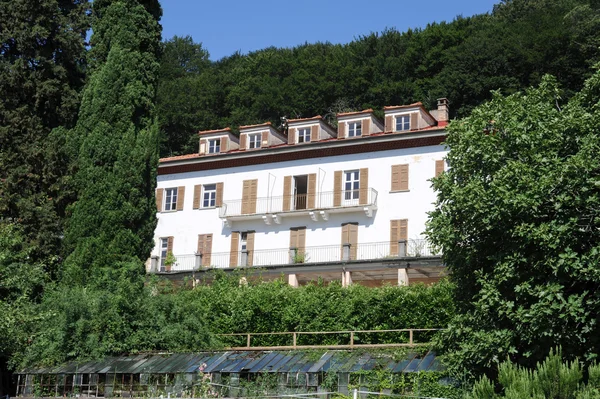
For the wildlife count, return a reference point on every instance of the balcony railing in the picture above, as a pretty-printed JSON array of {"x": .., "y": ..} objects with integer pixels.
[
  {"x": 309, "y": 255},
  {"x": 300, "y": 202}
]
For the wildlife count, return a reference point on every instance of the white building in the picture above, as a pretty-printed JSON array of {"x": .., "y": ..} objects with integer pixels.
[{"x": 345, "y": 204}]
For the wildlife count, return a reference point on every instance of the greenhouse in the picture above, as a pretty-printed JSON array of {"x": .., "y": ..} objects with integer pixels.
[{"x": 232, "y": 373}]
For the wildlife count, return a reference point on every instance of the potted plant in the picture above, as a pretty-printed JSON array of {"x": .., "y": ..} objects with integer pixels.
[{"x": 170, "y": 261}]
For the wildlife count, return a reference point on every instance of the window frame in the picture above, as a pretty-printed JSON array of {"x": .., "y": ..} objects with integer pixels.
[
  {"x": 254, "y": 139},
  {"x": 212, "y": 196},
  {"x": 170, "y": 201},
  {"x": 355, "y": 129},
  {"x": 214, "y": 145},
  {"x": 352, "y": 178},
  {"x": 163, "y": 249},
  {"x": 303, "y": 132},
  {"x": 404, "y": 122}
]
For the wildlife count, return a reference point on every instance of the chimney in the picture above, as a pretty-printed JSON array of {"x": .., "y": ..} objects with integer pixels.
[{"x": 442, "y": 114}]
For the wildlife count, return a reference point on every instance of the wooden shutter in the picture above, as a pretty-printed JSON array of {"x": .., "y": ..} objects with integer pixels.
[
  {"x": 294, "y": 238},
  {"x": 249, "y": 192},
  {"x": 414, "y": 121},
  {"x": 312, "y": 191},
  {"x": 219, "y": 195},
  {"x": 363, "y": 192},
  {"x": 169, "y": 245},
  {"x": 205, "y": 248},
  {"x": 264, "y": 139},
  {"x": 180, "y": 197},
  {"x": 224, "y": 144},
  {"x": 197, "y": 194},
  {"x": 350, "y": 236},
  {"x": 314, "y": 133},
  {"x": 202, "y": 149},
  {"x": 403, "y": 229},
  {"x": 366, "y": 127},
  {"x": 394, "y": 234},
  {"x": 287, "y": 193},
  {"x": 250, "y": 247},
  {"x": 389, "y": 124},
  {"x": 395, "y": 177},
  {"x": 345, "y": 240},
  {"x": 235, "y": 248},
  {"x": 159, "y": 199},
  {"x": 341, "y": 130},
  {"x": 439, "y": 167},
  {"x": 301, "y": 239},
  {"x": 337, "y": 188},
  {"x": 243, "y": 139},
  {"x": 292, "y": 135},
  {"x": 403, "y": 178}
]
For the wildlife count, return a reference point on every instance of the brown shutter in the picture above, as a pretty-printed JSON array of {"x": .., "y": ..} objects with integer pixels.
[
  {"x": 341, "y": 130},
  {"x": 394, "y": 234},
  {"x": 249, "y": 196},
  {"x": 159, "y": 199},
  {"x": 202, "y": 148},
  {"x": 224, "y": 144},
  {"x": 363, "y": 192},
  {"x": 243, "y": 144},
  {"x": 403, "y": 229},
  {"x": 345, "y": 239},
  {"x": 180, "y": 197},
  {"x": 366, "y": 127},
  {"x": 250, "y": 247},
  {"x": 170, "y": 245},
  {"x": 337, "y": 188},
  {"x": 301, "y": 239},
  {"x": 403, "y": 178},
  {"x": 287, "y": 193},
  {"x": 395, "y": 177},
  {"x": 312, "y": 191},
  {"x": 253, "y": 196},
  {"x": 389, "y": 124},
  {"x": 206, "y": 255},
  {"x": 235, "y": 248},
  {"x": 353, "y": 239},
  {"x": 414, "y": 121},
  {"x": 292, "y": 135},
  {"x": 439, "y": 167},
  {"x": 294, "y": 238},
  {"x": 219, "y": 195},
  {"x": 264, "y": 139},
  {"x": 197, "y": 193},
  {"x": 314, "y": 133}
]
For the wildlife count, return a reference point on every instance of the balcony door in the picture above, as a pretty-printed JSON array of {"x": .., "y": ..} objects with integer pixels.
[{"x": 300, "y": 192}]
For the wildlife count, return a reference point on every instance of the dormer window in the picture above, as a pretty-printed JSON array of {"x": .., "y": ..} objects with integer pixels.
[
  {"x": 254, "y": 140},
  {"x": 402, "y": 123},
  {"x": 214, "y": 146},
  {"x": 304, "y": 135},
  {"x": 354, "y": 129}
]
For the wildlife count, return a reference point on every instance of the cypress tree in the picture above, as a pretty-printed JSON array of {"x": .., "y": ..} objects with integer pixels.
[
  {"x": 111, "y": 225},
  {"x": 42, "y": 72}
]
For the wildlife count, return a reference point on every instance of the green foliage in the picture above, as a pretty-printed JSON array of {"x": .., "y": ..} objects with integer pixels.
[
  {"x": 463, "y": 60},
  {"x": 551, "y": 379},
  {"x": 517, "y": 221},
  {"x": 113, "y": 219}
]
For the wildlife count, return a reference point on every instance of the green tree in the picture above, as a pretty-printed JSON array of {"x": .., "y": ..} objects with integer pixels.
[
  {"x": 41, "y": 75},
  {"x": 517, "y": 221},
  {"x": 110, "y": 227}
]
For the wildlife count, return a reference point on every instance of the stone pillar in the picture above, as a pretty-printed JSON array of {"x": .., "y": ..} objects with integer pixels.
[
  {"x": 403, "y": 277},
  {"x": 293, "y": 280},
  {"x": 154, "y": 264},
  {"x": 346, "y": 279}
]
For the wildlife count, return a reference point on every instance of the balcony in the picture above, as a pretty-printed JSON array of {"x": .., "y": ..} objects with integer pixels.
[
  {"x": 319, "y": 205},
  {"x": 365, "y": 252}
]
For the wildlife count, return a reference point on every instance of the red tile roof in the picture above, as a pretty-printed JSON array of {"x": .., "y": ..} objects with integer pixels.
[
  {"x": 225, "y": 130},
  {"x": 364, "y": 111},
  {"x": 318, "y": 117},
  {"x": 258, "y": 125}
]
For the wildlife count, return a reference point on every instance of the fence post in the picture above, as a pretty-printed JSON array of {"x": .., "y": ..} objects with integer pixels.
[
  {"x": 402, "y": 248},
  {"x": 198, "y": 264},
  {"x": 410, "y": 337},
  {"x": 295, "y": 339},
  {"x": 248, "y": 341},
  {"x": 352, "y": 338}
]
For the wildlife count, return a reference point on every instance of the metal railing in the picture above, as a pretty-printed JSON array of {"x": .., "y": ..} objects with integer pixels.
[
  {"x": 300, "y": 202},
  {"x": 412, "y": 248}
]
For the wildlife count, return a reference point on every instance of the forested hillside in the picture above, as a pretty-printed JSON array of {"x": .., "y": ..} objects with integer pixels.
[{"x": 462, "y": 60}]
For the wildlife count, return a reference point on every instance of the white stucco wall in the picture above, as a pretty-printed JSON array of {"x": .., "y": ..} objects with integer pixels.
[{"x": 413, "y": 205}]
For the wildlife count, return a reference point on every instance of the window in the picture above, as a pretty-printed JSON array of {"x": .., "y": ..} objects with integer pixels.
[
  {"x": 254, "y": 140},
  {"x": 243, "y": 241},
  {"x": 164, "y": 245},
  {"x": 351, "y": 185},
  {"x": 354, "y": 129},
  {"x": 402, "y": 123},
  {"x": 209, "y": 198},
  {"x": 304, "y": 135},
  {"x": 214, "y": 146},
  {"x": 171, "y": 199}
]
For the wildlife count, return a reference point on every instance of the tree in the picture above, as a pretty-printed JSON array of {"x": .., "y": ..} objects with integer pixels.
[
  {"x": 111, "y": 225},
  {"x": 517, "y": 219},
  {"x": 42, "y": 48}
]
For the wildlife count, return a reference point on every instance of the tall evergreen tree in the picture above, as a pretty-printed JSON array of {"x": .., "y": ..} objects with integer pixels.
[
  {"x": 42, "y": 48},
  {"x": 110, "y": 226}
]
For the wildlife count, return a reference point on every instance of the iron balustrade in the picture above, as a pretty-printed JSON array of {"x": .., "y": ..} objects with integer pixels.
[
  {"x": 412, "y": 248},
  {"x": 300, "y": 202}
]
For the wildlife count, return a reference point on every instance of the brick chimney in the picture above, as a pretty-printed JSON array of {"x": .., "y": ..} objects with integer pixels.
[{"x": 442, "y": 112}]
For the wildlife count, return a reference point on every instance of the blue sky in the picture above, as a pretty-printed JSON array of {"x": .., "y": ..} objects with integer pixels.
[{"x": 226, "y": 26}]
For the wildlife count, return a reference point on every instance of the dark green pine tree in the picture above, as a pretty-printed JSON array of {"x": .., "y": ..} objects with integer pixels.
[
  {"x": 110, "y": 226},
  {"x": 42, "y": 73}
]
